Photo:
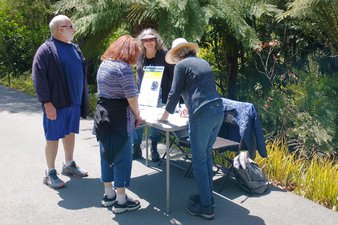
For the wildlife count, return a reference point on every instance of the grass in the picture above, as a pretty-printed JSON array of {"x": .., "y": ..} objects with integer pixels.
[
  {"x": 315, "y": 179},
  {"x": 22, "y": 83}
]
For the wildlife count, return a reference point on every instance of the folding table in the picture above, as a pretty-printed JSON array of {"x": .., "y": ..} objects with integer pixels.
[{"x": 174, "y": 123}]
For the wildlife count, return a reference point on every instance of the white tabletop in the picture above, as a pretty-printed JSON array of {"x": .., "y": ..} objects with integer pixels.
[{"x": 152, "y": 115}]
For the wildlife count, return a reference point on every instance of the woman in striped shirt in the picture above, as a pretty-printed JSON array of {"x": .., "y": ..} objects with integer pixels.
[{"x": 117, "y": 113}]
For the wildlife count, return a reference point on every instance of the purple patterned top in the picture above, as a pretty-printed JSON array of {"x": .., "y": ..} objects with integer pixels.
[{"x": 115, "y": 80}]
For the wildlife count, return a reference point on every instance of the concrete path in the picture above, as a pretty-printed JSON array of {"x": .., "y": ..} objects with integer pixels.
[{"x": 25, "y": 200}]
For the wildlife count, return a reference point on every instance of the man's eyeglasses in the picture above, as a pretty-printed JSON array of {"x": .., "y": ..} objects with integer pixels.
[{"x": 70, "y": 26}]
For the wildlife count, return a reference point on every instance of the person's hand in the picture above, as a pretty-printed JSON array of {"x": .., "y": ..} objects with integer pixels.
[
  {"x": 184, "y": 112},
  {"x": 50, "y": 111},
  {"x": 138, "y": 121},
  {"x": 164, "y": 116}
]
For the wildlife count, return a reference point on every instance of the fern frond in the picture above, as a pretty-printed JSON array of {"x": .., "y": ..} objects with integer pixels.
[
  {"x": 235, "y": 14},
  {"x": 323, "y": 14}
]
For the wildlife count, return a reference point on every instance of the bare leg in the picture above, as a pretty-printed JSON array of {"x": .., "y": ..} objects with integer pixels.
[
  {"x": 123, "y": 203},
  {"x": 51, "y": 149},
  {"x": 51, "y": 179},
  {"x": 107, "y": 185},
  {"x": 109, "y": 194},
  {"x": 121, "y": 191},
  {"x": 68, "y": 145}
]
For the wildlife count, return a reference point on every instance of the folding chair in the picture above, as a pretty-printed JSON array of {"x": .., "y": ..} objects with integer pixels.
[
  {"x": 224, "y": 150},
  {"x": 179, "y": 140},
  {"x": 222, "y": 145}
]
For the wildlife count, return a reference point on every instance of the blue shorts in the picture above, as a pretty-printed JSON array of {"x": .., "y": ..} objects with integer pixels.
[{"x": 67, "y": 122}]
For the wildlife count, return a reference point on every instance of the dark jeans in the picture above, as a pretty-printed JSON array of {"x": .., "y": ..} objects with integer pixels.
[
  {"x": 138, "y": 134},
  {"x": 204, "y": 126}
]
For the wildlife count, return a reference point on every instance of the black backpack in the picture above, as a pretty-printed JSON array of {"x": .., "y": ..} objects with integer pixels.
[{"x": 251, "y": 179}]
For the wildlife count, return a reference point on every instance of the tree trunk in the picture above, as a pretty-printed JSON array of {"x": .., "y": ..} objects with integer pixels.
[
  {"x": 232, "y": 60},
  {"x": 232, "y": 77}
]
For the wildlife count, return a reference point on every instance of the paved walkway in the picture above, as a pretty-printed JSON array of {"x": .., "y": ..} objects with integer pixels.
[{"x": 25, "y": 200}]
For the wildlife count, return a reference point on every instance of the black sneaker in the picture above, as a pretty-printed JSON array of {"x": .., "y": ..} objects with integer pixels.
[
  {"x": 197, "y": 209},
  {"x": 130, "y": 205},
  {"x": 155, "y": 157},
  {"x": 106, "y": 202},
  {"x": 196, "y": 199},
  {"x": 137, "y": 152}
]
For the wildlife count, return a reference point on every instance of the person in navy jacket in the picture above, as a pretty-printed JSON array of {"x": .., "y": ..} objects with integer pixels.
[{"x": 58, "y": 72}]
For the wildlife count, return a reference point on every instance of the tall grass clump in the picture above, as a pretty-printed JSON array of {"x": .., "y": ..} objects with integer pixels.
[
  {"x": 315, "y": 179},
  {"x": 320, "y": 182}
]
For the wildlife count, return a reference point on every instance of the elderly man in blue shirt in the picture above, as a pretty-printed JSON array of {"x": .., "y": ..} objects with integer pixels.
[{"x": 60, "y": 81}]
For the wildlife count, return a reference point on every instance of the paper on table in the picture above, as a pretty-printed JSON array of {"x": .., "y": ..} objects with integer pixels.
[
  {"x": 150, "y": 87},
  {"x": 152, "y": 114}
]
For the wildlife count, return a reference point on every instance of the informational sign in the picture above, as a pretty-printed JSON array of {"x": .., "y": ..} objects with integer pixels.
[{"x": 150, "y": 87}]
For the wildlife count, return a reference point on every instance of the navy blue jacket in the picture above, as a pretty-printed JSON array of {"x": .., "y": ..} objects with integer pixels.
[
  {"x": 49, "y": 80},
  {"x": 247, "y": 126}
]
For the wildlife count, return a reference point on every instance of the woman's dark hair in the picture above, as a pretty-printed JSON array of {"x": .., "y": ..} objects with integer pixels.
[{"x": 183, "y": 53}]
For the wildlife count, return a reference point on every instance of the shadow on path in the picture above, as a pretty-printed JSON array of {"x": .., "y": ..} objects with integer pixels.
[
  {"x": 81, "y": 193},
  {"x": 150, "y": 188}
]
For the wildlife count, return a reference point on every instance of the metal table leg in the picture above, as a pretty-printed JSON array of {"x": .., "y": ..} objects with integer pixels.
[
  {"x": 146, "y": 131},
  {"x": 168, "y": 170}
]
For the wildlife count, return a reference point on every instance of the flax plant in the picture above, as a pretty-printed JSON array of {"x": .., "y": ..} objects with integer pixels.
[
  {"x": 315, "y": 179},
  {"x": 281, "y": 167},
  {"x": 320, "y": 182}
]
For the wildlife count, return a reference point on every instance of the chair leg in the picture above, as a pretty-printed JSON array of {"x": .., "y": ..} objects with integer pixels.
[
  {"x": 162, "y": 158},
  {"x": 165, "y": 154},
  {"x": 224, "y": 179},
  {"x": 189, "y": 171}
]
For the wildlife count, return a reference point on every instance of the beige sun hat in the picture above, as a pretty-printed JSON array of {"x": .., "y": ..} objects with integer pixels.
[{"x": 176, "y": 45}]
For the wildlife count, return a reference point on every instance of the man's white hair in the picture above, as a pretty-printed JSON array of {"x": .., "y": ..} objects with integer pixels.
[{"x": 56, "y": 22}]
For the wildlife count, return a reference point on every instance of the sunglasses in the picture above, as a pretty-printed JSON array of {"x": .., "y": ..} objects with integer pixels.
[
  {"x": 70, "y": 26},
  {"x": 148, "y": 39}
]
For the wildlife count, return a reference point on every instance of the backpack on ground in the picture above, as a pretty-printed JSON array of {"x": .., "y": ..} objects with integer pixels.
[{"x": 248, "y": 174}]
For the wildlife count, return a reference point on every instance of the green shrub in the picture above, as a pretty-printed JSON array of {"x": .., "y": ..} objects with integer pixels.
[
  {"x": 22, "y": 30},
  {"x": 92, "y": 99},
  {"x": 305, "y": 110}
]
